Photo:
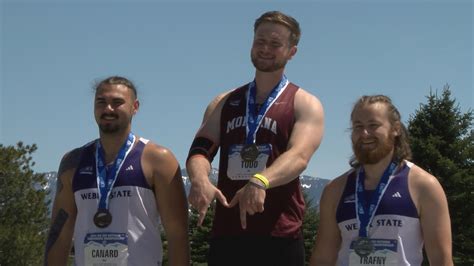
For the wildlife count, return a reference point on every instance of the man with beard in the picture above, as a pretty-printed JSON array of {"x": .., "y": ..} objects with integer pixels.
[
  {"x": 267, "y": 130},
  {"x": 114, "y": 193},
  {"x": 385, "y": 208}
]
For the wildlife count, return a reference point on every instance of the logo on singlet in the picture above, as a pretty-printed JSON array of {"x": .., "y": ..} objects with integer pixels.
[
  {"x": 241, "y": 121},
  {"x": 396, "y": 195},
  {"x": 88, "y": 170},
  {"x": 349, "y": 199},
  {"x": 234, "y": 103}
]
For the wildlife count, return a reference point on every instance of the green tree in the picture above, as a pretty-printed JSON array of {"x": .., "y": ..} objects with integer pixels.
[
  {"x": 199, "y": 236},
  {"x": 310, "y": 226},
  {"x": 23, "y": 207},
  {"x": 164, "y": 242},
  {"x": 442, "y": 141}
]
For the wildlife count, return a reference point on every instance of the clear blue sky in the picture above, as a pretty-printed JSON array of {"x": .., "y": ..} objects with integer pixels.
[{"x": 180, "y": 54}]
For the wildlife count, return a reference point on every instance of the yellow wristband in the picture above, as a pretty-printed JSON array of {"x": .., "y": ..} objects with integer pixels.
[{"x": 263, "y": 179}]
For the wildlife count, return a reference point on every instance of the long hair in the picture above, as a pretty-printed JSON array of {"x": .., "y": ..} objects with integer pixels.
[{"x": 402, "y": 150}]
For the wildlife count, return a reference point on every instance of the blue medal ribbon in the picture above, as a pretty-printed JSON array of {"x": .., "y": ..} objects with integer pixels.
[
  {"x": 254, "y": 120},
  {"x": 366, "y": 212},
  {"x": 106, "y": 179}
]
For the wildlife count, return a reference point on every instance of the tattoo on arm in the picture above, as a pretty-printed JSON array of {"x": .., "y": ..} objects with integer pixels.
[
  {"x": 70, "y": 161},
  {"x": 55, "y": 231},
  {"x": 59, "y": 185}
]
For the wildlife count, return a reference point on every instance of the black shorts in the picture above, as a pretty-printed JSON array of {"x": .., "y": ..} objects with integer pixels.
[{"x": 253, "y": 250}]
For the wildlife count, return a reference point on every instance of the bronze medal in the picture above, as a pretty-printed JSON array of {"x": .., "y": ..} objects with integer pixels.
[
  {"x": 249, "y": 152},
  {"x": 363, "y": 247},
  {"x": 102, "y": 218}
]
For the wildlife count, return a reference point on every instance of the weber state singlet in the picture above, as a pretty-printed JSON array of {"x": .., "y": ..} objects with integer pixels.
[
  {"x": 284, "y": 205},
  {"x": 133, "y": 237},
  {"x": 395, "y": 228}
]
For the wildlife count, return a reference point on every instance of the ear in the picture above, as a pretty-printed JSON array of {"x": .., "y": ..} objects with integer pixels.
[
  {"x": 397, "y": 129},
  {"x": 136, "y": 105},
  {"x": 293, "y": 51}
]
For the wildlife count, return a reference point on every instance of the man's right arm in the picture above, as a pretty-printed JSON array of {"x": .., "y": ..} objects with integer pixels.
[
  {"x": 216, "y": 103},
  {"x": 328, "y": 238},
  {"x": 63, "y": 217},
  {"x": 198, "y": 164}
]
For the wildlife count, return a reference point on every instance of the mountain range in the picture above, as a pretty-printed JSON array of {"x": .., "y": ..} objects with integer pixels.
[{"x": 312, "y": 186}]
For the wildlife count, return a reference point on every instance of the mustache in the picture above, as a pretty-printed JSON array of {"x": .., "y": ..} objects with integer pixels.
[
  {"x": 108, "y": 115},
  {"x": 360, "y": 142}
]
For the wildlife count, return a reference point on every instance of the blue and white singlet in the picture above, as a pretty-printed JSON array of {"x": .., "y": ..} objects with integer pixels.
[
  {"x": 396, "y": 224},
  {"x": 133, "y": 237}
]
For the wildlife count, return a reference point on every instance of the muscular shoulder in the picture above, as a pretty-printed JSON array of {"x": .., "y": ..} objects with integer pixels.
[
  {"x": 421, "y": 179},
  {"x": 67, "y": 167},
  {"x": 304, "y": 95},
  {"x": 306, "y": 102},
  {"x": 334, "y": 189},
  {"x": 216, "y": 104},
  {"x": 159, "y": 163},
  {"x": 70, "y": 161},
  {"x": 219, "y": 98},
  {"x": 156, "y": 154},
  {"x": 423, "y": 186}
]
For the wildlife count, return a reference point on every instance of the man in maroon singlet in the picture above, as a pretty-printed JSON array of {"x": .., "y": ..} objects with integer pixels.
[{"x": 267, "y": 130}]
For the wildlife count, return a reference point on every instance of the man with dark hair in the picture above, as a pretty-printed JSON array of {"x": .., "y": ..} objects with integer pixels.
[
  {"x": 114, "y": 193},
  {"x": 385, "y": 208},
  {"x": 267, "y": 130}
]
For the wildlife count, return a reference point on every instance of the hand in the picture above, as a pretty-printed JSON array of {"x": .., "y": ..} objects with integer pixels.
[
  {"x": 250, "y": 199},
  {"x": 201, "y": 195}
]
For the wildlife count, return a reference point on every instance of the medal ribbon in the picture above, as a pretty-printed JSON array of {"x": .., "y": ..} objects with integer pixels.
[
  {"x": 366, "y": 212},
  {"x": 106, "y": 179},
  {"x": 254, "y": 120}
]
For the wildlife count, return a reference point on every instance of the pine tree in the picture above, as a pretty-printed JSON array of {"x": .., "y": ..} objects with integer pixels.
[
  {"x": 310, "y": 226},
  {"x": 442, "y": 142},
  {"x": 199, "y": 236},
  {"x": 23, "y": 207}
]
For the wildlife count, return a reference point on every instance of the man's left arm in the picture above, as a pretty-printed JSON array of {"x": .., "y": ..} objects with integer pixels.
[
  {"x": 171, "y": 201},
  {"x": 305, "y": 139},
  {"x": 434, "y": 218}
]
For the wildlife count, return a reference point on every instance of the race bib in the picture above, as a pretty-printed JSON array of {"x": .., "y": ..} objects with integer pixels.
[
  {"x": 239, "y": 169},
  {"x": 384, "y": 252},
  {"x": 106, "y": 249}
]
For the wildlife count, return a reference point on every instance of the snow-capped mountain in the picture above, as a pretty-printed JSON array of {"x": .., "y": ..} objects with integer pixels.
[{"x": 312, "y": 186}]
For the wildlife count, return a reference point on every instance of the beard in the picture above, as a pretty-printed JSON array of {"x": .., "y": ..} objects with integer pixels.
[
  {"x": 372, "y": 156},
  {"x": 110, "y": 127},
  {"x": 264, "y": 66}
]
